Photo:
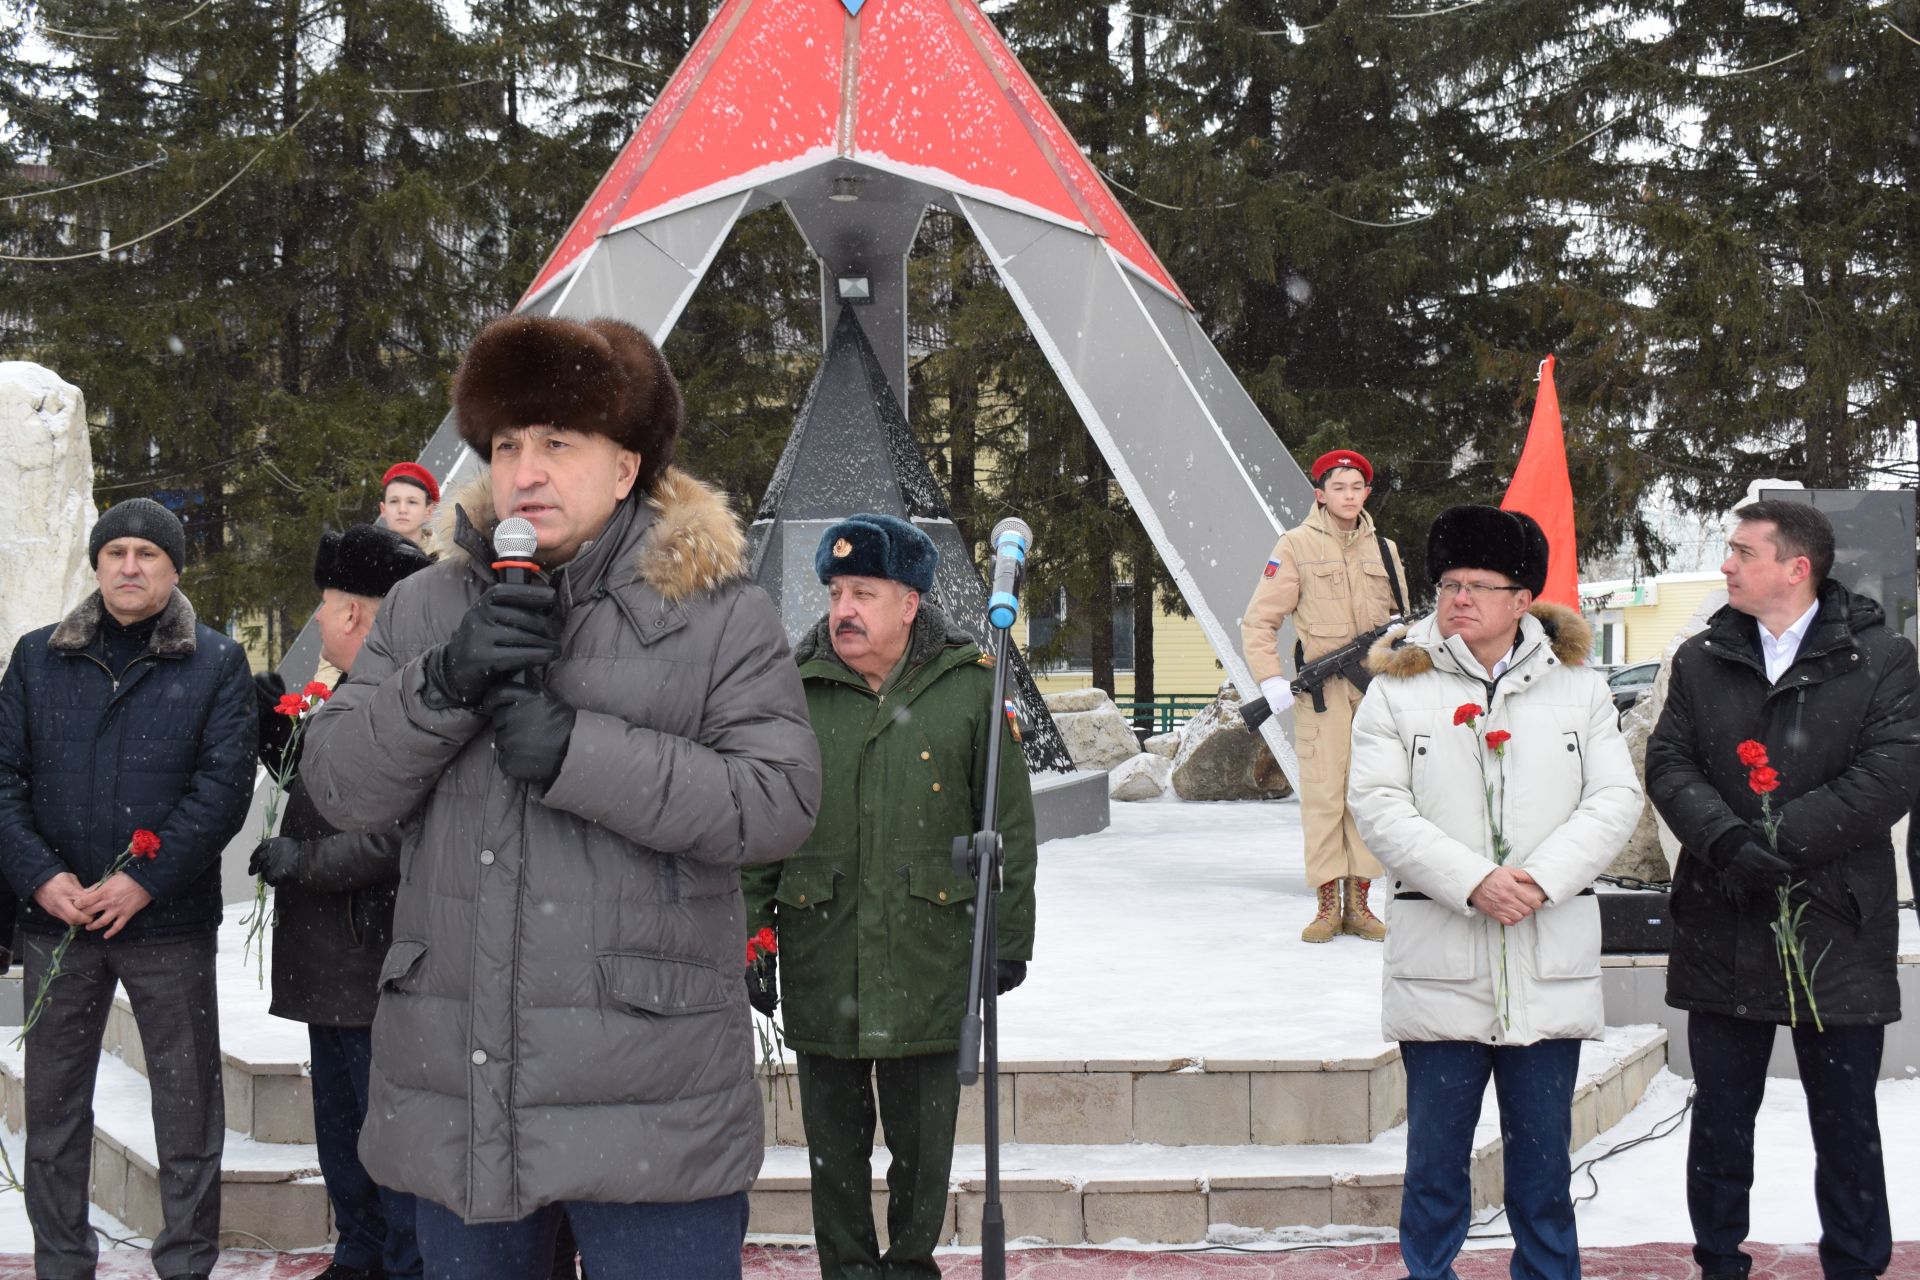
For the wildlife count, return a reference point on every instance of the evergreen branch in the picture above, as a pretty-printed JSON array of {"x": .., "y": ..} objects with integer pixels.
[
  {"x": 1435, "y": 13},
  {"x": 607, "y": 57},
  {"x": 75, "y": 186},
  {"x": 168, "y": 225}
]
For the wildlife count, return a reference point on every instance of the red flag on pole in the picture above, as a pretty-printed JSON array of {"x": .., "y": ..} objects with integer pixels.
[{"x": 1542, "y": 488}]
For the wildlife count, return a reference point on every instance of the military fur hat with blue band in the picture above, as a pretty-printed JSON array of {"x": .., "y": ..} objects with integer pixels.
[{"x": 877, "y": 546}]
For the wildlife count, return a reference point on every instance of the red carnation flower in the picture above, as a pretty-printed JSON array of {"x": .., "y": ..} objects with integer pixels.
[
  {"x": 317, "y": 691},
  {"x": 1466, "y": 712},
  {"x": 291, "y": 704},
  {"x": 1763, "y": 780},
  {"x": 1752, "y": 754},
  {"x": 768, "y": 942},
  {"x": 1498, "y": 739},
  {"x": 144, "y": 844}
]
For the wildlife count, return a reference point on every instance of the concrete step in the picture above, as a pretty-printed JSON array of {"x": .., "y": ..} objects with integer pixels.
[
  {"x": 1165, "y": 1101},
  {"x": 1163, "y": 1194},
  {"x": 271, "y": 1194},
  {"x": 269, "y": 1099}
]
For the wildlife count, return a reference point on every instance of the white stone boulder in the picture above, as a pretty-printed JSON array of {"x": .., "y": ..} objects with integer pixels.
[
  {"x": 1642, "y": 855},
  {"x": 1145, "y": 777},
  {"x": 1096, "y": 734},
  {"x": 1164, "y": 744},
  {"x": 1220, "y": 760},
  {"x": 46, "y": 487}
]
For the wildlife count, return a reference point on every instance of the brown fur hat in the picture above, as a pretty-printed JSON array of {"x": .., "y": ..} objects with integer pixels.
[{"x": 604, "y": 377}]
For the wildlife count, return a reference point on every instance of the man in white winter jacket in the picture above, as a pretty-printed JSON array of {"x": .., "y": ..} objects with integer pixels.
[{"x": 1490, "y": 779}]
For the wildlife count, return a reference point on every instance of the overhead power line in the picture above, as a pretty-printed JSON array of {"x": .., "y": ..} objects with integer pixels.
[
  {"x": 75, "y": 186},
  {"x": 172, "y": 222}
]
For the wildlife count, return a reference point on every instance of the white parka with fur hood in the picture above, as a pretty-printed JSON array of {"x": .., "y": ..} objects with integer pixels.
[{"x": 1567, "y": 798}]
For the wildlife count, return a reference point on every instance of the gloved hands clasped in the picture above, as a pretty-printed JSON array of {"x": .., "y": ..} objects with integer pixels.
[
  {"x": 510, "y": 629},
  {"x": 1750, "y": 872},
  {"x": 763, "y": 985},
  {"x": 275, "y": 860},
  {"x": 531, "y": 729}
]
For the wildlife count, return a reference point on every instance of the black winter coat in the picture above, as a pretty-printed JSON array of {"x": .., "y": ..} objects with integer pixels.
[
  {"x": 1842, "y": 728},
  {"x": 85, "y": 759},
  {"x": 333, "y": 922}
]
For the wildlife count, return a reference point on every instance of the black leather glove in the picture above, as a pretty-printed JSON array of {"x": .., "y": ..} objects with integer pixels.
[
  {"x": 531, "y": 729},
  {"x": 1751, "y": 873},
  {"x": 763, "y": 986},
  {"x": 1009, "y": 974},
  {"x": 275, "y": 729},
  {"x": 275, "y": 860},
  {"x": 512, "y": 628}
]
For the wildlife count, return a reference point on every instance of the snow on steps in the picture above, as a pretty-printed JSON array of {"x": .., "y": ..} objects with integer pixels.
[
  {"x": 1168, "y": 1194},
  {"x": 270, "y": 1192}
]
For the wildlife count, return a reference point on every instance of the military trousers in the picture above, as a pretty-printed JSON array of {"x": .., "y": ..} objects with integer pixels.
[
  {"x": 918, "y": 1105},
  {"x": 1324, "y": 742}
]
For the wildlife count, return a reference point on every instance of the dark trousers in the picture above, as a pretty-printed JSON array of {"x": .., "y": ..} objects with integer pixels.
[
  {"x": 1838, "y": 1070},
  {"x": 375, "y": 1225},
  {"x": 170, "y": 985},
  {"x": 919, "y": 1103},
  {"x": 1446, "y": 1081},
  {"x": 696, "y": 1241}
]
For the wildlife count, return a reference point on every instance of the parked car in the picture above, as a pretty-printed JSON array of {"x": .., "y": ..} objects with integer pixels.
[{"x": 1629, "y": 682}]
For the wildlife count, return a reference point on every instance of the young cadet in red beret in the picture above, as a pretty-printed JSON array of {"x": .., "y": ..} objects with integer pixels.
[
  {"x": 1331, "y": 576},
  {"x": 409, "y": 494}
]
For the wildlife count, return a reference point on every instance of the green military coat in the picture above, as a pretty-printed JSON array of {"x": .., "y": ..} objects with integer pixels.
[{"x": 875, "y": 928}]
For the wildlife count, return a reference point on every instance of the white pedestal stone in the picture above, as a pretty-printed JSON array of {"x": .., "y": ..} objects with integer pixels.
[{"x": 46, "y": 491}]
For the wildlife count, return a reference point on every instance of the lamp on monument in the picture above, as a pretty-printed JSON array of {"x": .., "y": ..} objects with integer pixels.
[
  {"x": 846, "y": 189},
  {"x": 856, "y": 289}
]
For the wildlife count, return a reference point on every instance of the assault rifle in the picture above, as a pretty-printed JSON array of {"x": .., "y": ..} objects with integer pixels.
[{"x": 1348, "y": 662}]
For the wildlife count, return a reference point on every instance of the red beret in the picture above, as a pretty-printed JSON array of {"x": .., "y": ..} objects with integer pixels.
[
  {"x": 1341, "y": 458},
  {"x": 412, "y": 473}
]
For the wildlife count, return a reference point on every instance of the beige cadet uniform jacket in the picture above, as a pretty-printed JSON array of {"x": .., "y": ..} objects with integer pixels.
[{"x": 1333, "y": 584}]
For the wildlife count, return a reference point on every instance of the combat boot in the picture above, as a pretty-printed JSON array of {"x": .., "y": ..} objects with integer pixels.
[
  {"x": 1358, "y": 919},
  {"x": 1325, "y": 927}
]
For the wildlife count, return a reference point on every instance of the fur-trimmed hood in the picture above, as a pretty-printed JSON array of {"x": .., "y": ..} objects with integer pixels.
[
  {"x": 173, "y": 635},
  {"x": 1406, "y": 652},
  {"x": 692, "y": 544}
]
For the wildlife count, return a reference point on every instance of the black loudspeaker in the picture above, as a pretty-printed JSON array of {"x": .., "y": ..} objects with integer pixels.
[{"x": 1635, "y": 922}]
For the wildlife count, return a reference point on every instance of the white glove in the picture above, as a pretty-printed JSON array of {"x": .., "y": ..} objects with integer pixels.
[{"x": 1277, "y": 693}]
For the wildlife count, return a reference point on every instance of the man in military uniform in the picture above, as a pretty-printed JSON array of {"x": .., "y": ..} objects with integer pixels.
[
  {"x": 1336, "y": 577},
  {"x": 874, "y": 927}
]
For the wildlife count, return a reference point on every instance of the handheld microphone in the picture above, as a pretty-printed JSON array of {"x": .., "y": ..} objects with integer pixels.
[
  {"x": 1011, "y": 540},
  {"x": 514, "y": 542}
]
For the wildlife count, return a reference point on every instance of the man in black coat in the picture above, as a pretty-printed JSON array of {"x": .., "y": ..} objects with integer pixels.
[
  {"x": 128, "y": 715},
  {"x": 1808, "y": 670},
  {"x": 333, "y": 920}
]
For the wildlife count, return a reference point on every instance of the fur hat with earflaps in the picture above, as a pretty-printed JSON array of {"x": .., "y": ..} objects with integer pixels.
[
  {"x": 1508, "y": 542},
  {"x": 604, "y": 377},
  {"x": 365, "y": 560}
]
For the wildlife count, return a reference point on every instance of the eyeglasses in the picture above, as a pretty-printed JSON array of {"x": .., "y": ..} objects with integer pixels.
[{"x": 1474, "y": 590}]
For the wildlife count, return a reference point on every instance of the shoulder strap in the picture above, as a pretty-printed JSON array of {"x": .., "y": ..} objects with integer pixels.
[{"x": 1393, "y": 578}]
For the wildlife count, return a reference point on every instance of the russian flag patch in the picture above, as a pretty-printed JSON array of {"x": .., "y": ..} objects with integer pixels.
[{"x": 1273, "y": 567}]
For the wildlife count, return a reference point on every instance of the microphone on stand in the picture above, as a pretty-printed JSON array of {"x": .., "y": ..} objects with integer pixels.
[
  {"x": 1011, "y": 540},
  {"x": 514, "y": 542}
]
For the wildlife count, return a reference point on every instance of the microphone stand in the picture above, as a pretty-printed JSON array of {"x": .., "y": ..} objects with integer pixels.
[{"x": 979, "y": 856}]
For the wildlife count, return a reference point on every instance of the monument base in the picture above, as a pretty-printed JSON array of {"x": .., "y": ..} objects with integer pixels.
[{"x": 1069, "y": 804}]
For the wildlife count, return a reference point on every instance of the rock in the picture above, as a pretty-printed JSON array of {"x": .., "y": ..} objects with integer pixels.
[
  {"x": 47, "y": 489},
  {"x": 1166, "y": 745},
  {"x": 1145, "y": 777},
  {"x": 1096, "y": 734},
  {"x": 1219, "y": 760},
  {"x": 1077, "y": 700},
  {"x": 1642, "y": 855}
]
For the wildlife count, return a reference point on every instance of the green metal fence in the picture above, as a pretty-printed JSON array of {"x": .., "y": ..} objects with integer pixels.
[{"x": 1164, "y": 713}]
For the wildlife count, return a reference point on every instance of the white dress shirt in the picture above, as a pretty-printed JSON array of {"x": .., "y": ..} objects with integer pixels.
[{"x": 1779, "y": 653}]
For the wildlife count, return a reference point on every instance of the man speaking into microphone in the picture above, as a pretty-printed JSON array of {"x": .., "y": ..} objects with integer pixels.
[
  {"x": 581, "y": 765},
  {"x": 875, "y": 929}
]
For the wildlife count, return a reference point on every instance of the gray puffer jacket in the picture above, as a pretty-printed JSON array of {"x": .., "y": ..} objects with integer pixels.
[{"x": 562, "y": 1014}]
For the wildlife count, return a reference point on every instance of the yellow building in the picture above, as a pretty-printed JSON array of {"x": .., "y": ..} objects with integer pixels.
[
  {"x": 1184, "y": 664},
  {"x": 1636, "y": 621}
]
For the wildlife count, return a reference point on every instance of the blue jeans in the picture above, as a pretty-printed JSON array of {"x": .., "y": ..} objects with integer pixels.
[
  {"x": 696, "y": 1241},
  {"x": 375, "y": 1225},
  {"x": 1446, "y": 1081}
]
